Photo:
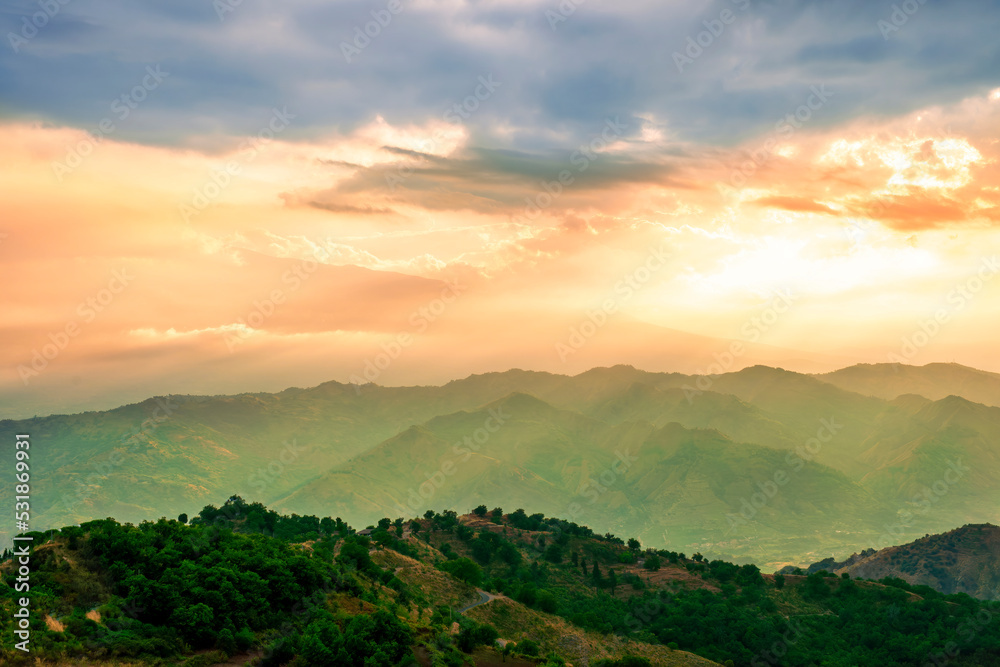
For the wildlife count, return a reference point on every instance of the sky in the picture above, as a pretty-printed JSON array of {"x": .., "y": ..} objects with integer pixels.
[{"x": 228, "y": 196}]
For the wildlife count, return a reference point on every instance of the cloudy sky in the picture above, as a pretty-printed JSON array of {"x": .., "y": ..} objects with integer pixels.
[{"x": 238, "y": 195}]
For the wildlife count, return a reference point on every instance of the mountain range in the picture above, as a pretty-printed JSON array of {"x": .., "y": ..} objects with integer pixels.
[{"x": 761, "y": 465}]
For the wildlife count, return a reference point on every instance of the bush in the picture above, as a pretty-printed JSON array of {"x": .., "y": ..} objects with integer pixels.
[
  {"x": 528, "y": 647},
  {"x": 244, "y": 639},
  {"x": 464, "y": 569},
  {"x": 476, "y": 635},
  {"x": 627, "y": 661},
  {"x": 226, "y": 642},
  {"x": 546, "y": 602}
]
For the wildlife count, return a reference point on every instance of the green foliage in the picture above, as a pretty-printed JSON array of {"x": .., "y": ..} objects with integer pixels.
[
  {"x": 475, "y": 635},
  {"x": 226, "y": 642},
  {"x": 166, "y": 588},
  {"x": 627, "y": 661},
  {"x": 464, "y": 569},
  {"x": 528, "y": 647}
]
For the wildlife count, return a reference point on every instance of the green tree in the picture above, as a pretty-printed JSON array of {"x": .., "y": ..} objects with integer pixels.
[
  {"x": 464, "y": 569},
  {"x": 546, "y": 601},
  {"x": 507, "y": 650},
  {"x": 480, "y": 510},
  {"x": 226, "y": 642},
  {"x": 194, "y": 624},
  {"x": 528, "y": 647}
]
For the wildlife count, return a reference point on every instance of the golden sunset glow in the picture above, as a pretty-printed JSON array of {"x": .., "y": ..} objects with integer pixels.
[{"x": 296, "y": 252}]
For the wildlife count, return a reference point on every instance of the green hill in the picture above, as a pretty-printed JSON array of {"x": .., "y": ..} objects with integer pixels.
[
  {"x": 242, "y": 585},
  {"x": 858, "y": 467},
  {"x": 964, "y": 560}
]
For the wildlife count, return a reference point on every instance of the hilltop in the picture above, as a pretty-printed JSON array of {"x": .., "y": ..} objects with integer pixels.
[
  {"x": 933, "y": 381},
  {"x": 242, "y": 585}
]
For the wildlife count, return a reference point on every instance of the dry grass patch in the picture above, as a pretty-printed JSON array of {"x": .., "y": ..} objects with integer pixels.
[{"x": 516, "y": 622}]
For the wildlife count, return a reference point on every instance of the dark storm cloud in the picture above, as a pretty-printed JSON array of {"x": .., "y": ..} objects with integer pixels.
[{"x": 559, "y": 78}]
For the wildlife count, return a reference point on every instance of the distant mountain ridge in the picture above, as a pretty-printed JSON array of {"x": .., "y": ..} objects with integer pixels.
[
  {"x": 762, "y": 464},
  {"x": 964, "y": 560},
  {"x": 934, "y": 381}
]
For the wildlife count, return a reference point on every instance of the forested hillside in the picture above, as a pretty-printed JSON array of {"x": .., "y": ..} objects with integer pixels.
[{"x": 241, "y": 584}]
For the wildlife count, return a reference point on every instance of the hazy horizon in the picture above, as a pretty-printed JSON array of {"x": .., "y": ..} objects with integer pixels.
[
  {"x": 220, "y": 198},
  {"x": 112, "y": 401}
]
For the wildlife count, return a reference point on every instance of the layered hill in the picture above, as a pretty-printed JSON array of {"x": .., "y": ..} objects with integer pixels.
[
  {"x": 762, "y": 464},
  {"x": 964, "y": 560},
  {"x": 240, "y": 584},
  {"x": 629, "y": 477},
  {"x": 933, "y": 381}
]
